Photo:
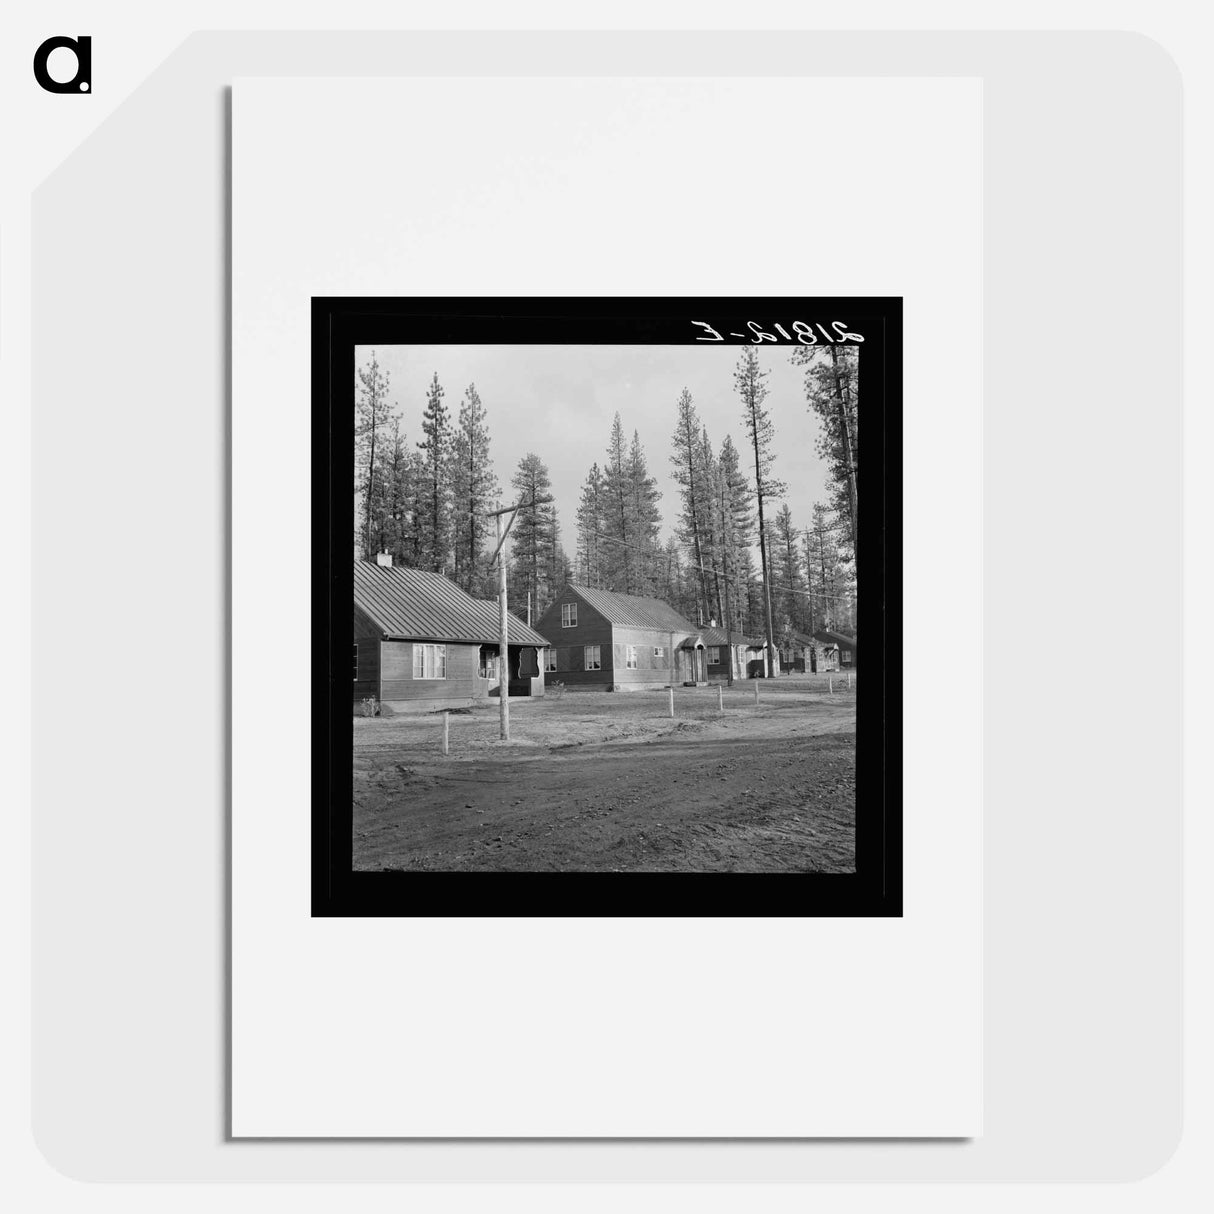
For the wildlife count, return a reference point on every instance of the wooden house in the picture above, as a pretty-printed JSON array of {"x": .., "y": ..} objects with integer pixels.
[
  {"x": 620, "y": 642},
  {"x": 835, "y": 650},
  {"x": 421, "y": 643},
  {"x": 746, "y": 652},
  {"x": 799, "y": 652}
]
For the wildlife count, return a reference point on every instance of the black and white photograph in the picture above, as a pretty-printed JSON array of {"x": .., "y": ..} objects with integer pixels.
[{"x": 605, "y": 592}]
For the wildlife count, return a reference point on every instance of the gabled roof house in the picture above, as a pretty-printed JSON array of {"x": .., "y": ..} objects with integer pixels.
[
  {"x": 620, "y": 642},
  {"x": 421, "y": 643},
  {"x": 837, "y": 649}
]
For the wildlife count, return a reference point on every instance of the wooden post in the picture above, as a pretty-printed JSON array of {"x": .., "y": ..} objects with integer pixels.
[
  {"x": 503, "y": 685},
  {"x": 672, "y": 700},
  {"x": 446, "y": 731},
  {"x": 849, "y": 680},
  {"x": 720, "y": 699},
  {"x": 830, "y": 683},
  {"x": 756, "y": 691}
]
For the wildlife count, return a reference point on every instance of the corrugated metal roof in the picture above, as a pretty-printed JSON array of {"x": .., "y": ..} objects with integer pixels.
[
  {"x": 634, "y": 611},
  {"x": 416, "y": 605},
  {"x": 835, "y": 638}
]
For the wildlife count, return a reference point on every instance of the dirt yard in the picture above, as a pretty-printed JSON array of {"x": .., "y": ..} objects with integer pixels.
[{"x": 598, "y": 781}]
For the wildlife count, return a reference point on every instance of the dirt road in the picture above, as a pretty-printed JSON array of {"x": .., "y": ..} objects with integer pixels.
[{"x": 598, "y": 782}]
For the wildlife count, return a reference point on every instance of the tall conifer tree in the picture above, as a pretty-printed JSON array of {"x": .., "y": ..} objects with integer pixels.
[
  {"x": 473, "y": 490},
  {"x": 748, "y": 383},
  {"x": 435, "y": 525}
]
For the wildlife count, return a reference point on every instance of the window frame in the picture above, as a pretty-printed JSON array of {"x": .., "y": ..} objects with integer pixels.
[
  {"x": 714, "y": 655},
  {"x": 595, "y": 663},
  {"x": 550, "y": 660},
  {"x": 356, "y": 661},
  {"x": 630, "y": 657},
  {"x": 659, "y": 651},
  {"x": 568, "y": 615},
  {"x": 433, "y": 655}
]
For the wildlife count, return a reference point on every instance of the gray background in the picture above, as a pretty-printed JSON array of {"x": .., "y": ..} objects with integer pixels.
[{"x": 1082, "y": 548}]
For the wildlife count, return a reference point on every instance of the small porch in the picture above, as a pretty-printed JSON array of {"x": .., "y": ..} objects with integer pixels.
[
  {"x": 691, "y": 664},
  {"x": 523, "y": 674}
]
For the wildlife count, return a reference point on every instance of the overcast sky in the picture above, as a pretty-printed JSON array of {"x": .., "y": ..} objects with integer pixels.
[{"x": 559, "y": 401}]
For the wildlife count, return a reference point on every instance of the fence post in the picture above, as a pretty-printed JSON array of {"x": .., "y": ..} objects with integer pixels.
[
  {"x": 720, "y": 699},
  {"x": 672, "y": 700},
  {"x": 756, "y": 691},
  {"x": 446, "y": 735},
  {"x": 830, "y": 683},
  {"x": 849, "y": 680}
]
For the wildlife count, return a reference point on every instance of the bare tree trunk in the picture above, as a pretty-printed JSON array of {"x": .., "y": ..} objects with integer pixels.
[
  {"x": 845, "y": 428},
  {"x": 771, "y": 640}
]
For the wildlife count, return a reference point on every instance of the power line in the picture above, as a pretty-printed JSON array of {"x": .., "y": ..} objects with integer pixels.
[{"x": 656, "y": 553}]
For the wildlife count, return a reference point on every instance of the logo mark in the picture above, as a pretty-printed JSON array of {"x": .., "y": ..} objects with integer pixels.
[{"x": 82, "y": 48}]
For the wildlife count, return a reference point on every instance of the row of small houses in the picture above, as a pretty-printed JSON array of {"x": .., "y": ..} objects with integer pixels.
[{"x": 421, "y": 642}]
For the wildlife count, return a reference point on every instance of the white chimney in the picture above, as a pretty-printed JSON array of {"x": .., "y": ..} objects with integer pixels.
[{"x": 384, "y": 559}]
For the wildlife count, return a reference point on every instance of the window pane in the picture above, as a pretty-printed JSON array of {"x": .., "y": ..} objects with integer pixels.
[{"x": 418, "y": 661}]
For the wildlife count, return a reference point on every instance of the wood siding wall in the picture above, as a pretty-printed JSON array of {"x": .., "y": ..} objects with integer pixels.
[
  {"x": 461, "y": 686},
  {"x": 717, "y": 670},
  {"x": 570, "y": 643},
  {"x": 650, "y": 671},
  {"x": 367, "y": 638}
]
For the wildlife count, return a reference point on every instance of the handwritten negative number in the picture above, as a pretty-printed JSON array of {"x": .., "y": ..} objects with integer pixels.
[{"x": 804, "y": 333}]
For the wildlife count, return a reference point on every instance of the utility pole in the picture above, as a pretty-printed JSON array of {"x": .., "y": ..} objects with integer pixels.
[{"x": 503, "y": 654}]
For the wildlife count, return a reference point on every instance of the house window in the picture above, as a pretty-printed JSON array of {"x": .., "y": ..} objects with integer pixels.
[
  {"x": 592, "y": 660},
  {"x": 356, "y": 663},
  {"x": 549, "y": 660},
  {"x": 568, "y": 615},
  {"x": 659, "y": 652},
  {"x": 429, "y": 661},
  {"x": 844, "y": 657},
  {"x": 631, "y": 658},
  {"x": 714, "y": 655}
]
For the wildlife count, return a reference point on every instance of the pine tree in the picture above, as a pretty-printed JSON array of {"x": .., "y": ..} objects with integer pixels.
[
  {"x": 473, "y": 489},
  {"x": 434, "y": 530},
  {"x": 417, "y": 499},
  {"x": 787, "y": 576},
  {"x": 748, "y": 382},
  {"x": 823, "y": 563},
  {"x": 372, "y": 411},
  {"x": 392, "y": 517},
  {"x": 591, "y": 519},
  {"x": 617, "y": 535},
  {"x": 646, "y": 516},
  {"x": 712, "y": 535},
  {"x": 733, "y": 522},
  {"x": 533, "y": 536},
  {"x": 677, "y": 582},
  {"x": 687, "y": 459},
  {"x": 832, "y": 391}
]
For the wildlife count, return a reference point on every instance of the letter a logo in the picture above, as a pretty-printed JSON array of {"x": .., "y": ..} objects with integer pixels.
[{"x": 82, "y": 48}]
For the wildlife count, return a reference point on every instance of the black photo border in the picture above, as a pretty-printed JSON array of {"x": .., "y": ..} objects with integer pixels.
[{"x": 339, "y": 324}]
